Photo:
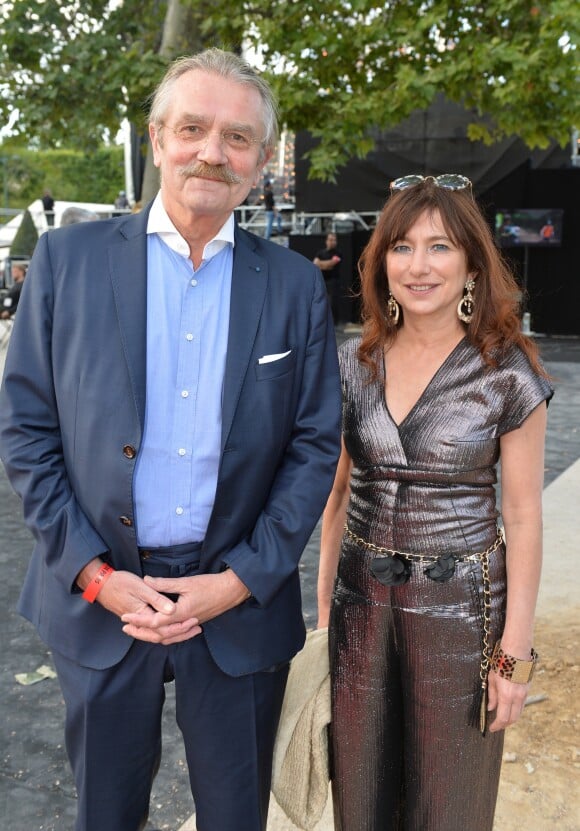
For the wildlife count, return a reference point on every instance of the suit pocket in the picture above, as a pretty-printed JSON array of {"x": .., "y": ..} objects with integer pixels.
[{"x": 276, "y": 369}]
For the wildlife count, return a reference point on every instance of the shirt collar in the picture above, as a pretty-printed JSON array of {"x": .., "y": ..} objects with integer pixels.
[{"x": 159, "y": 223}]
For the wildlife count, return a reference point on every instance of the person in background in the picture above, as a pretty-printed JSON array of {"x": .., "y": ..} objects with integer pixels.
[
  {"x": 10, "y": 301},
  {"x": 121, "y": 202},
  {"x": 271, "y": 213},
  {"x": 328, "y": 260},
  {"x": 170, "y": 416},
  {"x": 48, "y": 206},
  {"x": 547, "y": 231},
  {"x": 74, "y": 214},
  {"x": 430, "y": 600}
]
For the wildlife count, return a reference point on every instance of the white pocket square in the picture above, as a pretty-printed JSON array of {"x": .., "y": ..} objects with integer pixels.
[{"x": 268, "y": 359}]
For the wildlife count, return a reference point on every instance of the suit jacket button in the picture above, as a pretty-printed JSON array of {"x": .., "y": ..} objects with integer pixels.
[
  {"x": 124, "y": 520},
  {"x": 129, "y": 451}
]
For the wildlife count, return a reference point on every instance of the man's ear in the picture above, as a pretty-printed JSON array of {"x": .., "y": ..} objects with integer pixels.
[{"x": 155, "y": 144}]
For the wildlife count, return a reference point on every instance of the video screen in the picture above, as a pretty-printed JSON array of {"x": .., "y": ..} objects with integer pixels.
[{"x": 519, "y": 227}]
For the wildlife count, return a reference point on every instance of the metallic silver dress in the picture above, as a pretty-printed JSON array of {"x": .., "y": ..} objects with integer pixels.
[{"x": 405, "y": 659}]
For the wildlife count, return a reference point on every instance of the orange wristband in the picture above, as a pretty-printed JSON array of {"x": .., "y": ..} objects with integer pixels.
[{"x": 97, "y": 583}]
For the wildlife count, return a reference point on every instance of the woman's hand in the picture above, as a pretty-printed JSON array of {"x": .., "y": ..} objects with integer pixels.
[{"x": 507, "y": 698}]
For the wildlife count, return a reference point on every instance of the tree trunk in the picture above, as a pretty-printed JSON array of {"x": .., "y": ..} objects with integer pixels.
[
  {"x": 150, "y": 184},
  {"x": 180, "y": 37}
]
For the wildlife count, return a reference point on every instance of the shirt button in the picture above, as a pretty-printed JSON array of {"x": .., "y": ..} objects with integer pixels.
[
  {"x": 124, "y": 520},
  {"x": 179, "y": 511},
  {"x": 129, "y": 451},
  {"x": 194, "y": 282},
  {"x": 184, "y": 393},
  {"x": 189, "y": 336},
  {"x": 182, "y": 451}
]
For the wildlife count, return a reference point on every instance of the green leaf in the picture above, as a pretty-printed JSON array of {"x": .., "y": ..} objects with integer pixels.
[{"x": 339, "y": 67}]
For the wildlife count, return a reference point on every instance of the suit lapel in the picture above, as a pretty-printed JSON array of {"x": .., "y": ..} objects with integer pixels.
[
  {"x": 128, "y": 269},
  {"x": 249, "y": 282}
]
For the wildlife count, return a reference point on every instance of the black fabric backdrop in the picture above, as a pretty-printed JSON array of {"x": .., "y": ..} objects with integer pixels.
[
  {"x": 506, "y": 175},
  {"x": 429, "y": 141}
]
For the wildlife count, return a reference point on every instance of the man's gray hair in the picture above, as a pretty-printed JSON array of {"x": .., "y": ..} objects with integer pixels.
[{"x": 227, "y": 65}]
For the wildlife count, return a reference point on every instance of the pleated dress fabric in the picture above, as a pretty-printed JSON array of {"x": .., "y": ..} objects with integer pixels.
[{"x": 407, "y": 752}]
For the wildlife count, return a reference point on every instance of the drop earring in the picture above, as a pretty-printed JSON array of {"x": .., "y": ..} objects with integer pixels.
[
  {"x": 393, "y": 309},
  {"x": 466, "y": 305}
]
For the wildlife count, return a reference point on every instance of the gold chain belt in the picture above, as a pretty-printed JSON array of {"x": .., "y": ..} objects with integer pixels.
[
  {"x": 425, "y": 558},
  {"x": 479, "y": 556}
]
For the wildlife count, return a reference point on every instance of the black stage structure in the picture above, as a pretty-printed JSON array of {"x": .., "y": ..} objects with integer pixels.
[{"x": 506, "y": 176}]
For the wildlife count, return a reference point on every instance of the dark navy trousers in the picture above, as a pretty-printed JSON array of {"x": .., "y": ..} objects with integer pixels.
[{"x": 113, "y": 730}]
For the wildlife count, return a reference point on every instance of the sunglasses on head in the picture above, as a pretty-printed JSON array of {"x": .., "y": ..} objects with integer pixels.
[{"x": 449, "y": 181}]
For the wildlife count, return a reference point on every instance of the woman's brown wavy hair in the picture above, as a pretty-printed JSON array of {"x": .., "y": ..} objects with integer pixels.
[{"x": 495, "y": 324}]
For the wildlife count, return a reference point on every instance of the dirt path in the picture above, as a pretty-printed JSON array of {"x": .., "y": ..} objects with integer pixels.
[{"x": 540, "y": 788}]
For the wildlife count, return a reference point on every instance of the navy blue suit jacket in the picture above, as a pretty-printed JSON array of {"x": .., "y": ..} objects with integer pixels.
[{"x": 73, "y": 404}]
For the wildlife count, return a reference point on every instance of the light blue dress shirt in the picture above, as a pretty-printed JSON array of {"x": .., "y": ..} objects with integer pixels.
[{"x": 187, "y": 334}]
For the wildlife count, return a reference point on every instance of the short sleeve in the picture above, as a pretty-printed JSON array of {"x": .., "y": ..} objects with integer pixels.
[
  {"x": 524, "y": 390},
  {"x": 347, "y": 361}
]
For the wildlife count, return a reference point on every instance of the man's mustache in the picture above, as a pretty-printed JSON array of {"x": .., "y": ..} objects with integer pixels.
[{"x": 201, "y": 170}]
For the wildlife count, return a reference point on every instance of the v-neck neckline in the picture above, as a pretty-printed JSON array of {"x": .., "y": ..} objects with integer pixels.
[{"x": 426, "y": 388}]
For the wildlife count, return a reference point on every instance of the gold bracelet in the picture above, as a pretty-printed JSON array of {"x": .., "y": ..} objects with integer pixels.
[{"x": 513, "y": 669}]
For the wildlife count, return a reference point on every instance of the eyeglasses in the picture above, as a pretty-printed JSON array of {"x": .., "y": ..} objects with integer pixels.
[
  {"x": 197, "y": 136},
  {"x": 449, "y": 181}
]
